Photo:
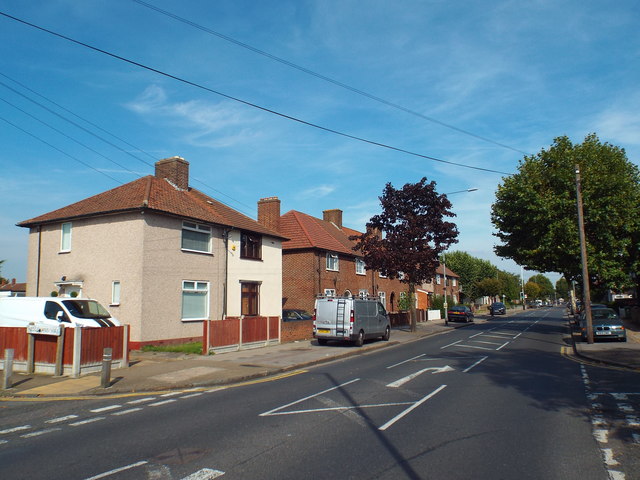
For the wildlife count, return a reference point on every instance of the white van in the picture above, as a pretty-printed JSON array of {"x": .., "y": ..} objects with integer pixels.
[
  {"x": 71, "y": 312},
  {"x": 351, "y": 319}
]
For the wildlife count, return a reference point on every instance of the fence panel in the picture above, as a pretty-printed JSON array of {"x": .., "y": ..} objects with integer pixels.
[
  {"x": 274, "y": 327},
  {"x": 254, "y": 329},
  {"x": 225, "y": 332},
  {"x": 95, "y": 340},
  {"x": 16, "y": 338}
]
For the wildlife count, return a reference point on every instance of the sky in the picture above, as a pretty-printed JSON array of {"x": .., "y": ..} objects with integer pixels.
[{"x": 319, "y": 103}]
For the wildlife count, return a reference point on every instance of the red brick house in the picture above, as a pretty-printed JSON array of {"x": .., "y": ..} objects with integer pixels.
[
  {"x": 319, "y": 258},
  {"x": 453, "y": 283}
]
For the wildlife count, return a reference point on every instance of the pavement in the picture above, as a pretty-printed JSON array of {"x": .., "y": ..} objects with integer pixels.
[{"x": 156, "y": 371}]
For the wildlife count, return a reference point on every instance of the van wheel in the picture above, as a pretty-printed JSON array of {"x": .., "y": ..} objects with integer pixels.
[
  {"x": 387, "y": 334},
  {"x": 360, "y": 340},
  {"x": 322, "y": 341}
]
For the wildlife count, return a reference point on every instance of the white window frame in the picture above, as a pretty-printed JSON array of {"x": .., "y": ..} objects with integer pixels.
[
  {"x": 198, "y": 287},
  {"x": 438, "y": 279},
  {"x": 199, "y": 228},
  {"x": 65, "y": 237},
  {"x": 363, "y": 293},
  {"x": 454, "y": 281},
  {"x": 329, "y": 292},
  {"x": 382, "y": 296},
  {"x": 333, "y": 262},
  {"x": 116, "y": 289},
  {"x": 360, "y": 266}
]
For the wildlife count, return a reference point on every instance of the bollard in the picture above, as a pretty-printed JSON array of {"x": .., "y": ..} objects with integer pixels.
[
  {"x": 8, "y": 369},
  {"x": 106, "y": 367}
]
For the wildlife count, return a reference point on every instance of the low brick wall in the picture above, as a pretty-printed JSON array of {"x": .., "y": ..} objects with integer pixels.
[{"x": 296, "y": 330}]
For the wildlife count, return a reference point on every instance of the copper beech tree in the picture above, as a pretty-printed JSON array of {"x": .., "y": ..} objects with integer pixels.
[{"x": 406, "y": 239}]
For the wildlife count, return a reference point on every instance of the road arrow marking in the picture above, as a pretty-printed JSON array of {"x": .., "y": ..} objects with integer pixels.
[{"x": 402, "y": 381}]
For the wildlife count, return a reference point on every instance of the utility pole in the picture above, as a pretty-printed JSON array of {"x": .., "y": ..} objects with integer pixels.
[{"x": 586, "y": 293}]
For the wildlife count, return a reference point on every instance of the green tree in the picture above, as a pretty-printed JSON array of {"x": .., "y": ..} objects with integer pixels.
[
  {"x": 510, "y": 285},
  {"x": 536, "y": 217},
  {"x": 489, "y": 287},
  {"x": 562, "y": 288},
  {"x": 532, "y": 290},
  {"x": 546, "y": 287},
  {"x": 409, "y": 235}
]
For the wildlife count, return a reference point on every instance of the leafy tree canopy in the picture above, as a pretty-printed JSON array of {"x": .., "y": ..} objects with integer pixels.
[
  {"x": 562, "y": 288},
  {"x": 532, "y": 290},
  {"x": 536, "y": 216},
  {"x": 489, "y": 287},
  {"x": 546, "y": 287},
  {"x": 410, "y": 233}
]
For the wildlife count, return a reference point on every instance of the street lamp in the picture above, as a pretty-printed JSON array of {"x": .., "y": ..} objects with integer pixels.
[{"x": 444, "y": 263}]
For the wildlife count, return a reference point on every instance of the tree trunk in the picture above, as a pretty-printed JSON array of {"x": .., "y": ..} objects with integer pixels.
[{"x": 412, "y": 310}]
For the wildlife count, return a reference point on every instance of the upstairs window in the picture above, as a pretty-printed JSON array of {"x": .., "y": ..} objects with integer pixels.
[
  {"x": 196, "y": 237},
  {"x": 360, "y": 270},
  {"x": 65, "y": 237},
  {"x": 454, "y": 282},
  {"x": 332, "y": 262},
  {"x": 438, "y": 279},
  {"x": 251, "y": 246}
]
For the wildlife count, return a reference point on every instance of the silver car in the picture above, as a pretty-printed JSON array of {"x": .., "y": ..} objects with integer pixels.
[{"x": 606, "y": 325}]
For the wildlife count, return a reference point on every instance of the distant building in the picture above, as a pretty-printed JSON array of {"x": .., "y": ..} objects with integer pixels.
[{"x": 13, "y": 289}]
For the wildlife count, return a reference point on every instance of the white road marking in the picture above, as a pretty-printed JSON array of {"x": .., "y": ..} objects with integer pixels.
[
  {"x": 626, "y": 408},
  {"x": 402, "y": 381},
  {"x": 40, "y": 432},
  {"x": 602, "y": 435},
  {"x": 487, "y": 343},
  {"x": 608, "y": 457},
  {"x": 118, "y": 470},
  {"x": 61, "y": 419},
  {"x": 15, "y": 429},
  {"x": 171, "y": 394},
  {"x": 406, "y": 361},
  {"x": 475, "y": 364},
  {"x": 340, "y": 408},
  {"x": 477, "y": 347},
  {"x": 125, "y": 412},
  {"x": 411, "y": 408},
  {"x": 308, "y": 397},
  {"x": 164, "y": 402},
  {"x": 191, "y": 395},
  {"x": 105, "y": 409},
  {"x": 141, "y": 400},
  {"x": 614, "y": 475},
  {"x": 450, "y": 345},
  {"x": 503, "y": 345},
  {"x": 633, "y": 421},
  {"x": 204, "y": 474},
  {"x": 85, "y": 422}
]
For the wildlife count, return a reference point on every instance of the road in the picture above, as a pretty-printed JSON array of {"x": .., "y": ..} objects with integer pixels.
[{"x": 493, "y": 400}]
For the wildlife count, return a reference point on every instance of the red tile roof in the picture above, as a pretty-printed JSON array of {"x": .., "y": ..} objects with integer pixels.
[
  {"x": 305, "y": 231},
  {"x": 450, "y": 273},
  {"x": 154, "y": 194},
  {"x": 13, "y": 287}
]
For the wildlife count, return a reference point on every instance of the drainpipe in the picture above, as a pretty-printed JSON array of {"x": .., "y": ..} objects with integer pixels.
[
  {"x": 225, "y": 236},
  {"x": 38, "y": 260}
]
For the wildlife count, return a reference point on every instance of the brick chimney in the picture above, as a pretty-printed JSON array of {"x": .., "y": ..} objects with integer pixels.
[
  {"x": 334, "y": 216},
  {"x": 269, "y": 213},
  {"x": 174, "y": 169}
]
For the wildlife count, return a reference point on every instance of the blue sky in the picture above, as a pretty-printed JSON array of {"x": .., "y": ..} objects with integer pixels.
[{"x": 516, "y": 73}]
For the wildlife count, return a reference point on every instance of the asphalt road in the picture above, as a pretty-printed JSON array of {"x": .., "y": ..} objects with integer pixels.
[{"x": 490, "y": 401}]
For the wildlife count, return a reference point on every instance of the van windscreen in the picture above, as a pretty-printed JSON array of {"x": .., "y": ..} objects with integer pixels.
[{"x": 86, "y": 309}]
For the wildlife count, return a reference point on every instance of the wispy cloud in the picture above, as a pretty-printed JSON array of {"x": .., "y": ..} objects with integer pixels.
[
  {"x": 316, "y": 192},
  {"x": 206, "y": 124}
]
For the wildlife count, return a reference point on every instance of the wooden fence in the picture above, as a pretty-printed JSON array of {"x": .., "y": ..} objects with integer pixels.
[
  {"x": 239, "y": 333},
  {"x": 75, "y": 351}
]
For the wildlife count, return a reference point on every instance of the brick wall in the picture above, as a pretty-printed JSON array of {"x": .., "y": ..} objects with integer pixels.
[
  {"x": 304, "y": 275},
  {"x": 296, "y": 330}
]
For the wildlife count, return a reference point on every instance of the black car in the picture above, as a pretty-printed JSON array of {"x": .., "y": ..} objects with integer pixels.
[
  {"x": 497, "y": 308},
  {"x": 295, "y": 314},
  {"x": 459, "y": 313}
]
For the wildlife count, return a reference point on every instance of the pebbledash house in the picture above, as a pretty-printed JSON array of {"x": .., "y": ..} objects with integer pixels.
[{"x": 163, "y": 257}]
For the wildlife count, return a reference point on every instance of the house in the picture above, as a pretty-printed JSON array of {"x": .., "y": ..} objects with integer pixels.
[
  {"x": 162, "y": 256},
  {"x": 13, "y": 289},
  {"x": 318, "y": 259},
  {"x": 445, "y": 278}
]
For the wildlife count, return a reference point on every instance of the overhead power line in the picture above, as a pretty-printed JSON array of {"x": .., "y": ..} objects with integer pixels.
[
  {"x": 325, "y": 78},
  {"x": 244, "y": 102}
]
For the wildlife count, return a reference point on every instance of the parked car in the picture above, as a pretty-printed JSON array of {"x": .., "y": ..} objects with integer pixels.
[
  {"x": 350, "y": 319},
  {"x": 606, "y": 325},
  {"x": 295, "y": 314},
  {"x": 497, "y": 308},
  {"x": 459, "y": 313}
]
